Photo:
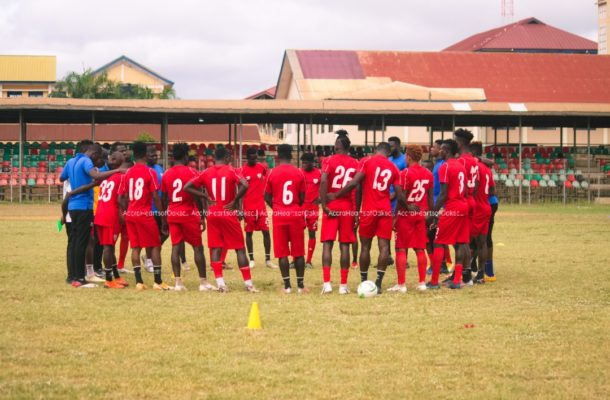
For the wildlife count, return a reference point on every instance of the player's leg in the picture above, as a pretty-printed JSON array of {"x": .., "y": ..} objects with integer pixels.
[
  {"x": 296, "y": 237},
  {"x": 250, "y": 247},
  {"x": 401, "y": 270},
  {"x": 327, "y": 260},
  {"x": 175, "y": 260},
  {"x": 437, "y": 259},
  {"x": 345, "y": 257},
  {"x": 183, "y": 264},
  {"x": 147, "y": 260},
  {"x": 135, "y": 263},
  {"x": 244, "y": 268},
  {"x": 285, "y": 272},
  {"x": 68, "y": 253},
  {"x": 382, "y": 260},
  {"x": 365, "y": 257},
  {"x": 267, "y": 245},
  {"x": 199, "y": 257},
  {"x": 90, "y": 275},
  {"x": 81, "y": 220},
  {"x": 422, "y": 262},
  {"x": 481, "y": 243},
  {"x": 474, "y": 255},
  {"x": 462, "y": 251},
  {"x": 97, "y": 255},
  {"x": 489, "y": 265},
  {"x": 215, "y": 255},
  {"x": 156, "y": 259},
  {"x": 311, "y": 246},
  {"x": 355, "y": 251}
]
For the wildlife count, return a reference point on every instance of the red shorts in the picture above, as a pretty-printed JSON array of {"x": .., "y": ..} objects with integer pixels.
[
  {"x": 376, "y": 225},
  {"x": 107, "y": 235},
  {"x": 256, "y": 220},
  {"x": 288, "y": 240},
  {"x": 186, "y": 229},
  {"x": 311, "y": 218},
  {"x": 225, "y": 232},
  {"x": 479, "y": 225},
  {"x": 143, "y": 232},
  {"x": 411, "y": 233},
  {"x": 453, "y": 228},
  {"x": 343, "y": 224}
]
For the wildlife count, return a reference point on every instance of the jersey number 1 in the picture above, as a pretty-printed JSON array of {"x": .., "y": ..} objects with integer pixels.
[{"x": 136, "y": 190}]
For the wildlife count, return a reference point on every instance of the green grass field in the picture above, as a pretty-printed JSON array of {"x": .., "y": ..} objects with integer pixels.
[{"x": 541, "y": 331}]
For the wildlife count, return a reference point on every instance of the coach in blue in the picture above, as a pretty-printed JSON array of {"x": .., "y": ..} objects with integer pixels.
[{"x": 80, "y": 171}]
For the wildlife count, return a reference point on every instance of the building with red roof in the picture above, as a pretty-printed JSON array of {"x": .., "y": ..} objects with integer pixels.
[{"x": 529, "y": 35}]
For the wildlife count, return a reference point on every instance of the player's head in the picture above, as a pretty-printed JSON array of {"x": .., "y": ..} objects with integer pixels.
[
  {"x": 476, "y": 148},
  {"x": 284, "y": 153},
  {"x": 414, "y": 154},
  {"x": 139, "y": 151},
  {"x": 84, "y": 145},
  {"x": 180, "y": 152},
  {"x": 103, "y": 159},
  {"x": 221, "y": 155},
  {"x": 307, "y": 159},
  {"x": 252, "y": 156},
  {"x": 118, "y": 146},
  {"x": 428, "y": 164},
  {"x": 449, "y": 149},
  {"x": 261, "y": 155},
  {"x": 115, "y": 159},
  {"x": 394, "y": 142},
  {"x": 463, "y": 137},
  {"x": 436, "y": 147},
  {"x": 151, "y": 155},
  {"x": 94, "y": 151},
  {"x": 383, "y": 149},
  {"x": 342, "y": 143}
]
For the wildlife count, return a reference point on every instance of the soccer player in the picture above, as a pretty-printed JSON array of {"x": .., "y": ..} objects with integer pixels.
[
  {"x": 80, "y": 206},
  {"x": 482, "y": 212},
  {"x": 463, "y": 137},
  {"x": 107, "y": 222},
  {"x": 285, "y": 194},
  {"x": 339, "y": 214},
  {"x": 138, "y": 189},
  {"x": 185, "y": 223},
  {"x": 255, "y": 211},
  {"x": 435, "y": 153},
  {"x": 411, "y": 233},
  {"x": 151, "y": 160},
  {"x": 375, "y": 175},
  {"x": 311, "y": 206},
  {"x": 452, "y": 225},
  {"x": 399, "y": 159},
  {"x": 223, "y": 190},
  {"x": 489, "y": 265}
]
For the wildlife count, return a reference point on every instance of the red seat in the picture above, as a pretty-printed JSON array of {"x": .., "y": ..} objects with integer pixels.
[
  {"x": 568, "y": 184},
  {"x": 571, "y": 178},
  {"x": 534, "y": 183}
]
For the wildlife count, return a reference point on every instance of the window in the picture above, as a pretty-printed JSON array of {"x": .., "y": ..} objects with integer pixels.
[
  {"x": 602, "y": 44},
  {"x": 35, "y": 94},
  {"x": 602, "y": 11},
  {"x": 13, "y": 94}
]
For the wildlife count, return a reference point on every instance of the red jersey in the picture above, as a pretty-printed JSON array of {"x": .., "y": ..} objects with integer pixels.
[
  {"x": 179, "y": 202},
  {"x": 416, "y": 181},
  {"x": 285, "y": 183},
  {"x": 486, "y": 181},
  {"x": 379, "y": 175},
  {"x": 340, "y": 170},
  {"x": 139, "y": 184},
  {"x": 254, "y": 198},
  {"x": 107, "y": 213},
  {"x": 220, "y": 182},
  {"x": 453, "y": 174},
  {"x": 472, "y": 171},
  {"x": 312, "y": 187}
]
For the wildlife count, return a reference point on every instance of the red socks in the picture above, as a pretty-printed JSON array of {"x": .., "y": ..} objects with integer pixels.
[
  {"x": 421, "y": 265},
  {"x": 245, "y": 273},
  {"x": 401, "y": 266},
  {"x": 344, "y": 274},
  {"x": 448, "y": 255},
  {"x": 457, "y": 274},
  {"x": 217, "y": 268},
  {"x": 326, "y": 274},
  {"x": 311, "y": 245},
  {"x": 437, "y": 259}
]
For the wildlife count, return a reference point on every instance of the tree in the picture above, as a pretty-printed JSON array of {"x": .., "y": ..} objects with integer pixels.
[{"x": 97, "y": 86}]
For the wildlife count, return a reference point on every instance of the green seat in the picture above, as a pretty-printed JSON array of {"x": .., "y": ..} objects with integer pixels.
[
  {"x": 543, "y": 183},
  {"x": 584, "y": 184},
  {"x": 525, "y": 183},
  {"x": 552, "y": 183},
  {"x": 31, "y": 182},
  {"x": 575, "y": 185},
  {"x": 538, "y": 177},
  {"x": 509, "y": 183},
  {"x": 270, "y": 161}
]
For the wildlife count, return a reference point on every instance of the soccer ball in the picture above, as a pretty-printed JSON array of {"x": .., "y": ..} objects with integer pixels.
[{"x": 367, "y": 289}]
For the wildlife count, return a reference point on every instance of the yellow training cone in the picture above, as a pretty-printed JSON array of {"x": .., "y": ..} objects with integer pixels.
[{"x": 254, "y": 321}]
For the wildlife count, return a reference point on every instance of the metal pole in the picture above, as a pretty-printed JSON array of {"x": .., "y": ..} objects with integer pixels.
[
  {"x": 241, "y": 138},
  {"x": 574, "y": 141},
  {"x": 589, "y": 158},
  {"x": 431, "y": 136},
  {"x": 299, "y": 145},
  {"x": 93, "y": 126},
  {"x": 520, "y": 165},
  {"x": 495, "y": 136},
  {"x": 383, "y": 128},
  {"x": 21, "y": 148},
  {"x": 374, "y": 136},
  {"x": 230, "y": 139},
  {"x": 366, "y": 137},
  {"x": 561, "y": 137},
  {"x": 311, "y": 133},
  {"x": 164, "y": 140},
  {"x": 452, "y": 123}
]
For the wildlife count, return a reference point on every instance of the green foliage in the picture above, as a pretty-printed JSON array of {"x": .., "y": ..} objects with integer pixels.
[
  {"x": 97, "y": 86},
  {"x": 145, "y": 137}
]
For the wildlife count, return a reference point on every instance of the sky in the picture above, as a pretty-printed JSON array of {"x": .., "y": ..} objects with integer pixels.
[{"x": 231, "y": 49}]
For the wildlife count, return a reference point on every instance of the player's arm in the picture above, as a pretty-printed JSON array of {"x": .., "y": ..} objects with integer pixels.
[
  {"x": 242, "y": 188},
  {"x": 64, "y": 210},
  {"x": 159, "y": 206},
  {"x": 487, "y": 161},
  {"x": 442, "y": 197},
  {"x": 269, "y": 199},
  {"x": 323, "y": 192},
  {"x": 123, "y": 201},
  {"x": 351, "y": 185},
  {"x": 81, "y": 189},
  {"x": 430, "y": 204},
  {"x": 191, "y": 189},
  {"x": 100, "y": 176},
  {"x": 400, "y": 196}
]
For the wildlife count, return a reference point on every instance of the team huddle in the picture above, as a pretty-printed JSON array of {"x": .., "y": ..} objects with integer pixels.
[{"x": 385, "y": 195}]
